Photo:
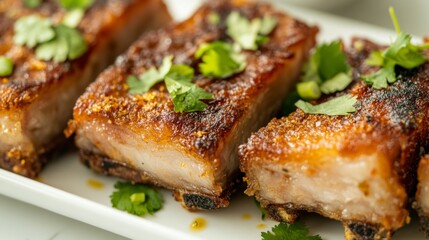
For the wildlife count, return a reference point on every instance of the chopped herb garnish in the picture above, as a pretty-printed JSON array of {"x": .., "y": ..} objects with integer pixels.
[
  {"x": 326, "y": 72},
  {"x": 68, "y": 44},
  {"x": 284, "y": 231},
  {"x": 32, "y": 3},
  {"x": 336, "y": 106},
  {"x": 219, "y": 60},
  {"x": 401, "y": 53},
  {"x": 186, "y": 96},
  {"x": 249, "y": 34},
  {"x": 136, "y": 199},
  {"x": 32, "y": 30},
  {"x": 76, "y": 4},
  {"x": 213, "y": 18},
  {"x": 263, "y": 211},
  {"x": 6, "y": 66},
  {"x": 288, "y": 105},
  {"x": 73, "y": 17}
]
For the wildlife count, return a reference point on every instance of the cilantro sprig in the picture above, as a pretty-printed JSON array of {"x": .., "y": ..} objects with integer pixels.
[
  {"x": 249, "y": 34},
  {"x": 136, "y": 199},
  {"x": 32, "y": 3},
  {"x": 186, "y": 96},
  {"x": 284, "y": 231},
  {"x": 326, "y": 72},
  {"x": 76, "y": 4},
  {"x": 400, "y": 53},
  {"x": 219, "y": 60}
]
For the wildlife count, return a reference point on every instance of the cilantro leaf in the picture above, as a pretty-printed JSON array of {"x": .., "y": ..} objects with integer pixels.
[
  {"x": 288, "y": 105},
  {"x": 68, "y": 44},
  {"x": 249, "y": 34},
  {"x": 151, "y": 77},
  {"x": 327, "y": 71},
  {"x": 401, "y": 52},
  {"x": 139, "y": 200},
  {"x": 32, "y": 30},
  {"x": 219, "y": 60},
  {"x": 284, "y": 231},
  {"x": 186, "y": 96},
  {"x": 32, "y": 3},
  {"x": 76, "y": 4},
  {"x": 336, "y": 106}
]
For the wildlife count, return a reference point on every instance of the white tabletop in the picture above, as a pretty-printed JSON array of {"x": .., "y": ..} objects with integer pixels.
[{"x": 20, "y": 221}]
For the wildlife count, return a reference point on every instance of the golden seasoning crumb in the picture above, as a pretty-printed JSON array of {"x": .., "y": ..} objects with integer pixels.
[
  {"x": 246, "y": 216},
  {"x": 37, "y": 65},
  {"x": 22, "y": 162},
  {"x": 95, "y": 184},
  {"x": 204, "y": 174},
  {"x": 261, "y": 226},
  {"x": 198, "y": 224},
  {"x": 200, "y": 133},
  {"x": 4, "y": 80},
  {"x": 182, "y": 164},
  {"x": 162, "y": 88}
]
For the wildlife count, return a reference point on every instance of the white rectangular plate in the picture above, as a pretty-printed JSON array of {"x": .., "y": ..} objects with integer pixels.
[{"x": 64, "y": 188}]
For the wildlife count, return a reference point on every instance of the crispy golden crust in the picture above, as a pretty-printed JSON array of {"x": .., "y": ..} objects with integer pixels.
[
  {"x": 31, "y": 76},
  {"x": 390, "y": 119},
  {"x": 393, "y": 119},
  {"x": 198, "y": 132}
]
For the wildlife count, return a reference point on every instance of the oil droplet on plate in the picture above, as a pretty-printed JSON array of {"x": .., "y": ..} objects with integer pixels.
[
  {"x": 261, "y": 226},
  {"x": 198, "y": 224},
  {"x": 92, "y": 183},
  {"x": 246, "y": 216}
]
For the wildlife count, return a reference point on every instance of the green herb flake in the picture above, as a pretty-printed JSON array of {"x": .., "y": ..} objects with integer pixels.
[
  {"x": 136, "y": 199},
  {"x": 249, "y": 34},
  {"x": 219, "y": 60},
  {"x": 213, "y": 18},
  {"x": 32, "y": 30},
  {"x": 73, "y": 17},
  {"x": 76, "y": 4},
  {"x": 326, "y": 72},
  {"x": 6, "y": 66},
  {"x": 284, "y": 231},
  {"x": 68, "y": 44},
  {"x": 32, "y": 3},
  {"x": 186, "y": 96},
  {"x": 400, "y": 53},
  {"x": 336, "y": 106},
  {"x": 263, "y": 211}
]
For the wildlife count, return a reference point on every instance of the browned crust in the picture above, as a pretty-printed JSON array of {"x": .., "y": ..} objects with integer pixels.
[
  {"x": 392, "y": 119},
  {"x": 190, "y": 200},
  {"x": 108, "y": 97},
  {"x": 31, "y": 76}
]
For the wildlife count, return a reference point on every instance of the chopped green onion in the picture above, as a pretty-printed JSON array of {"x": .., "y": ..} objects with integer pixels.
[
  {"x": 138, "y": 198},
  {"x": 308, "y": 90},
  {"x": 6, "y": 66}
]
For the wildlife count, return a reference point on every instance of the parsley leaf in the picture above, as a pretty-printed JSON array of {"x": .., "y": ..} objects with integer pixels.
[
  {"x": 68, "y": 44},
  {"x": 401, "y": 52},
  {"x": 219, "y": 60},
  {"x": 186, "y": 96},
  {"x": 249, "y": 34},
  {"x": 326, "y": 72},
  {"x": 32, "y": 3},
  {"x": 336, "y": 106},
  {"x": 32, "y": 30},
  {"x": 74, "y": 4},
  {"x": 136, "y": 199},
  {"x": 284, "y": 231}
]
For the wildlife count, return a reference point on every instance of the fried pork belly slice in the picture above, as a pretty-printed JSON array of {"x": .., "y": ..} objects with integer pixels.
[
  {"x": 359, "y": 169},
  {"x": 37, "y": 100},
  {"x": 140, "y": 137},
  {"x": 422, "y": 196}
]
